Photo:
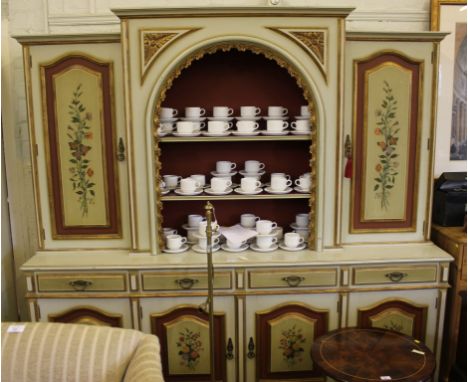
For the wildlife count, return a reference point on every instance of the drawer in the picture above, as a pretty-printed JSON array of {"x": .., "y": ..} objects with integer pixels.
[
  {"x": 394, "y": 275},
  {"x": 185, "y": 281},
  {"x": 292, "y": 278},
  {"x": 105, "y": 282}
]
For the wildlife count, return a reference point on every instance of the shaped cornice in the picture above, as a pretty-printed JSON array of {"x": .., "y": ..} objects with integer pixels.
[{"x": 314, "y": 41}]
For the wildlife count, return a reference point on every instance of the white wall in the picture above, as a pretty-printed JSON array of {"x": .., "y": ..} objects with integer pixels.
[{"x": 87, "y": 16}]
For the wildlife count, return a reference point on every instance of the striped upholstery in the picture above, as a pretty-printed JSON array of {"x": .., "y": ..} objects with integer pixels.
[{"x": 54, "y": 352}]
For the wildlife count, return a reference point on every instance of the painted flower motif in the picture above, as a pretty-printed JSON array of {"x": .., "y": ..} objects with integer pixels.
[
  {"x": 190, "y": 346},
  {"x": 291, "y": 345},
  {"x": 79, "y": 134},
  {"x": 388, "y": 127},
  {"x": 377, "y": 131}
]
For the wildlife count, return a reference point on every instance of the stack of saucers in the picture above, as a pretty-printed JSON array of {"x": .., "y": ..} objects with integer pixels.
[
  {"x": 167, "y": 119},
  {"x": 201, "y": 245},
  {"x": 266, "y": 239},
  {"x": 301, "y": 126},
  {"x": 252, "y": 173},
  {"x": 192, "y": 123}
]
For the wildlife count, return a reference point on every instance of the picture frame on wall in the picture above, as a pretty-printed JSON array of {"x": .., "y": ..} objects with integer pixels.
[{"x": 451, "y": 138}]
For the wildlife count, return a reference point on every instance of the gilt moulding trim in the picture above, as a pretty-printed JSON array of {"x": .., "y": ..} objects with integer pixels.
[
  {"x": 314, "y": 41},
  {"x": 154, "y": 41}
]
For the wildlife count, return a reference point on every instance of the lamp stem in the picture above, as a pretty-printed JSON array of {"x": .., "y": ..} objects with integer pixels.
[{"x": 209, "y": 240}]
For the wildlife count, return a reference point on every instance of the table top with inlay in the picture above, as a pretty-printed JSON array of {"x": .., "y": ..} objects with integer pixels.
[{"x": 358, "y": 355}]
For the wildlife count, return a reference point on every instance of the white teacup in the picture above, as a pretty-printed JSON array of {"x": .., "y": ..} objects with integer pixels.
[
  {"x": 250, "y": 184},
  {"x": 246, "y": 127},
  {"x": 188, "y": 185},
  {"x": 249, "y": 111},
  {"x": 301, "y": 125},
  {"x": 253, "y": 166},
  {"x": 224, "y": 166},
  {"x": 248, "y": 220},
  {"x": 276, "y": 126},
  {"x": 172, "y": 181},
  {"x": 200, "y": 178},
  {"x": 186, "y": 127},
  {"x": 305, "y": 112},
  {"x": 169, "y": 231},
  {"x": 202, "y": 227},
  {"x": 192, "y": 235},
  {"x": 222, "y": 111},
  {"x": 302, "y": 220},
  {"x": 202, "y": 242},
  {"x": 194, "y": 220},
  {"x": 280, "y": 183},
  {"x": 277, "y": 111},
  {"x": 166, "y": 127},
  {"x": 194, "y": 112},
  {"x": 293, "y": 239},
  {"x": 264, "y": 227},
  {"x": 235, "y": 244},
  {"x": 306, "y": 175},
  {"x": 280, "y": 175},
  {"x": 279, "y": 232},
  {"x": 304, "y": 233},
  {"x": 253, "y": 176},
  {"x": 218, "y": 127},
  {"x": 265, "y": 242},
  {"x": 168, "y": 112},
  {"x": 175, "y": 241},
  {"x": 220, "y": 184},
  {"x": 197, "y": 125},
  {"x": 303, "y": 183}
]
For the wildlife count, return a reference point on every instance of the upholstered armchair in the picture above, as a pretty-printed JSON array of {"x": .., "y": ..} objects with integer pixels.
[{"x": 57, "y": 352}]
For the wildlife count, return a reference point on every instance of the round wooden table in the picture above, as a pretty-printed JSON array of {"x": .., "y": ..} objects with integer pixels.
[{"x": 357, "y": 355}]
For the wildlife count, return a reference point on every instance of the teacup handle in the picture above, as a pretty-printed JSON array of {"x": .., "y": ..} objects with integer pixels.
[
  {"x": 174, "y": 232},
  {"x": 256, "y": 125},
  {"x": 285, "y": 111},
  {"x": 179, "y": 178},
  {"x": 301, "y": 240},
  {"x": 274, "y": 240},
  {"x": 228, "y": 183},
  {"x": 198, "y": 184},
  {"x": 202, "y": 125},
  {"x": 285, "y": 125},
  {"x": 230, "y": 111},
  {"x": 288, "y": 177},
  {"x": 215, "y": 241},
  {"x": 257, "y": 218},
  {"x": 183, "y": 240},
  {"x": 261, "y": 166},
  {"x": 293, "y": 124},
  {"x": 175, "y": 112},
  {"x": 288, "y": 182},
  {"x": 274, "y": 225},
  {"x": 297, "y": 181},
  {"x": 257, "y": 111},
  {"x": 233, "y": 166},
  {"x": 202, "y": 112},
  {"x": 258, "y": 184},
  {"x": 229, "y": 125}
]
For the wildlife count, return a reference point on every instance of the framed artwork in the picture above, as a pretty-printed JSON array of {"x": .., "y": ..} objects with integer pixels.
[
  {"x": 450, "y": 16},
  {"x": 386, "y": 135},
  {"x": 77, "y": 96}
]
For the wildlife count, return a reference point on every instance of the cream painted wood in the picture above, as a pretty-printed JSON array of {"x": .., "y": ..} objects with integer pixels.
[
  {"x": 226, "y": 305},
  {"x": 42, "y": 54},
  {"x": 114, "y": 306},
  {"x": 395, "y": 275},
  {"x": 77, "y": 282},
  {"x": 286, "y": 278},
  {"x": 254, "y": 304},
  {"x": 189, "y": 280},
  {"x": 421, "y": 49}
]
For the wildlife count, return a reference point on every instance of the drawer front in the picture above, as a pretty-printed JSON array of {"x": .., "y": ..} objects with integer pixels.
[
  {"x": 106, "y": 282},
  {"x": 184, "y": 281},
  {"x": 293, "y": 278},
  {"x": 394, "y": 275}
]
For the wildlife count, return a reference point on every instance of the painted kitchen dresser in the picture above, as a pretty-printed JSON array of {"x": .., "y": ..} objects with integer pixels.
[{"x": 101, "y": 149}]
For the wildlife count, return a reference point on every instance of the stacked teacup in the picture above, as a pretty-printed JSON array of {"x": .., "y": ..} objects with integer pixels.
[
  {"x": 167, "y": 118},
  {"x": 301, "y": 225},
  {"x": 266, "y": 238},
  {"x": 280, "y": 183},
  {"x": 189, "y": 186},
  {"x": 219, "y": 124},
  {"x": 302, "y": 184},
  {"x": 301, "y": 125},
  {"x": 276, "y": 123},
  {"x": 175, "y": 243},
  {"x": 202, "y": 244},
  {"x": 252, "y": 172},
  {"x": 171, "y": 181},
  {"x": 193, "y": 221},
  {"x": 247, "y": 121},
  {"x": 192, "y": 123}
]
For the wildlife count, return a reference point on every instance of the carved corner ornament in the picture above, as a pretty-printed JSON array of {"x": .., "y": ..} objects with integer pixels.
[
  {"x": 313, "y": 41},
  {"x": 154, "y": 42}
]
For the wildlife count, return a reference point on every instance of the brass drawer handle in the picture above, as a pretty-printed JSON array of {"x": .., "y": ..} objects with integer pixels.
[
  {"x": 396, "y": 276},
  {"x": 186, "y": 283},
  {"x": 251, "y": 348},
  {"x": 293, "y": 281},
  {"x": 80, "y": 285},
  {"x": 230, "y": 349}
]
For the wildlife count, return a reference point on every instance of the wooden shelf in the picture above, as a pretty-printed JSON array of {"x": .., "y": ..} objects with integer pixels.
[
  {"x": 170, "y": 198},
  {"x": 234, "y": 138}
]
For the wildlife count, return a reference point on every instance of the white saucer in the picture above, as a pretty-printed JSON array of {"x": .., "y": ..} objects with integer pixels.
[
  {"x": 240, "y": 191},
  {"x": 243, "y": 247},
  {"x": 298, "y": 248},
  {"x": 208, "y": 134},
  {"x": 303, "y": 117},
  {"x": 178, "y": 191},
  {"x": 264, "y": 132},
  {"x": 282, "y": 118},
  {"x": 294, "y": 132},
  {"x": 245, "y": 173},
  {"x": 165, "y": 191},
  {"x": 254, "y": 118},
  {"x": 195, "y": 134},
  {"x": 189, "y": 228},
  {"x": 217, "y": 174},
  {"x": 193, "y": 119},
  {"x": 254, "y": 247},
  {"x": 223, "y": 119},
  {"x": 198, "y": 235},
  {"x": 301, "y": 190},
  {"x": 273, "y": 233},
  {"x": 180, "y": 250},
  {"x": 270, "y": 191},
  {"x": 164, "y": 133},
  {"x": 238, "y": 133},
  {"x": 197, "y": 248},
  {"x": 167, "y": 120},
  {"x": 212, "y": 192},
  {"x": 295, "y": 226}
]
